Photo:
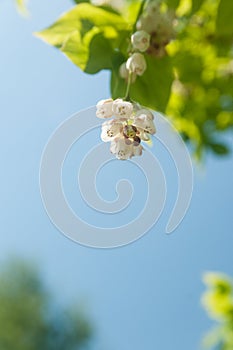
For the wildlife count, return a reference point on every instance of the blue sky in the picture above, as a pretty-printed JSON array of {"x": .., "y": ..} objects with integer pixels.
[{"x": 145, "y": 295}]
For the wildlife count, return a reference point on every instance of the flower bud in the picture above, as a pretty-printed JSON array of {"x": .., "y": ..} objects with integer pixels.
[
  {"x": 136, "y": 64},
  {"x": 124, "y": 73},
  {"x": 140, "y": 40}
]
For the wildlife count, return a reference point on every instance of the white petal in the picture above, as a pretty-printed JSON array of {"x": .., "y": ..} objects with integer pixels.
[
  {"x": 143, "y": 135},
  {"x": 104, "y": 109},
  {"x": 136, "y": 64},
  {"x": 122, "y": 109},
  {"x": 104, "y": 102},
  {"x": 110, "y": 130},
  {"x": 124, "y": 73},
  {"x": 144, "y": 112},
  {"x": 149, "y": 22},
  {"x": 121, "y": 149},
  {"x": 145, "y": 123},
  {"x": 137, "y": 151}
]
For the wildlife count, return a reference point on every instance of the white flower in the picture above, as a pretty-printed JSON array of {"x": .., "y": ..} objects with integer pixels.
[
  {"x": 145, "y": 124},
  {"x": 121, "y": 149},
  {"x": 153, "y": 6},
  {"x": 124, "y": 73},
  {"x": 136, "y": 64},
  {"x": 161, "y": 27},
  {"x": 151, "y": 18},
  {"x": 148, "y": 23},
  {"x": 111, "y": 129},
  {"x": 141, "y": 40},
  {"x": 122, "y": 109},
  {"x": 104, "y": 109},
  {"x": 124, "y": 150},
  {"x": 144, "y": 112}
]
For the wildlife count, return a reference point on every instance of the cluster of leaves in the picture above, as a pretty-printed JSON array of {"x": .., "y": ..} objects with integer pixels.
[
  {"x": 29, "y": 318},
  {"x": 218, "y": 301},
  {"x": 192, "y": 83}
]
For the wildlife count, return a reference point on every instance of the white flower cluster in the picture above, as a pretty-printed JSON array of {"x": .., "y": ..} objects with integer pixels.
[
  {"x": 130, "y": 125},
  {"x": 159, "y": 24},
  {"x": 136, "y": 64}
]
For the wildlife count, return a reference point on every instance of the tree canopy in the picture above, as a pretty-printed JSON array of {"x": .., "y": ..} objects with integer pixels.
[
  {"x": 31, "y": 320},
  {"x": 189, "y": 74}
]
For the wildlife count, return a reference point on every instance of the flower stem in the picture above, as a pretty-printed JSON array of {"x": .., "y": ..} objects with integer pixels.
[
  {"x": 127, "y": 95},
  {"x": 139, "y": 15}
]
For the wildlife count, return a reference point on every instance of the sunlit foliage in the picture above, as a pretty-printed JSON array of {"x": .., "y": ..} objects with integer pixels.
[
  {"x": 190, "y": 78},
  {"x": 218, "y": 302}
]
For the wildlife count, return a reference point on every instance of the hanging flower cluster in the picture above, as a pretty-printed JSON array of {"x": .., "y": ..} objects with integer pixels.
[
  {"x": 130, "y": 125},
  {"x": 160, "y": 24},
  {"x": 155, "y": 29}
]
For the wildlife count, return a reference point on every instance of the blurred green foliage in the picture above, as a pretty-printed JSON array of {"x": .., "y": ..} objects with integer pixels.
[
  {"x": 22, "y": 7},
  {"x": 218, "y": 302},
  {"x": 191, "y": 82},
  {"x": 30, "y": 319}
]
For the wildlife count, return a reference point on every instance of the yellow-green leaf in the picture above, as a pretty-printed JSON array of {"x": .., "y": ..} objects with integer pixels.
[
  {"x": 225, "y": 18},
  {"x": 82, "y": 18}
]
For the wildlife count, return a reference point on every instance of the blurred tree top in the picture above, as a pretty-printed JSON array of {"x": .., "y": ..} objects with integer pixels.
[
  {"x": 30, "y": 320},
  {"x": 189, "y": 74},
  {"x": 218, "y": 302}
]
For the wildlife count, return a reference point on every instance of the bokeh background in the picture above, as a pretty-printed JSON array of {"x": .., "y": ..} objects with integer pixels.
[{"x": 144, "y": 295}]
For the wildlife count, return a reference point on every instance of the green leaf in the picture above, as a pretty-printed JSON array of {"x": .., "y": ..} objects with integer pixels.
[
  {"x": 131, "y": 10},
  {"x": 82, "y": 17},
  {"x": 196, "y": 4},
  {"x": 224, "y": 23},
  {"x": 189, "y": 66},
  {"x": 87, "y": 35},
  {"x": 173, "y": 3},
  {"x": 153, "y": 89},
  {"x": 91, "y": 55},
  {"x": 219, "y": 148},
  {"x": 118, "y": 85}
]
